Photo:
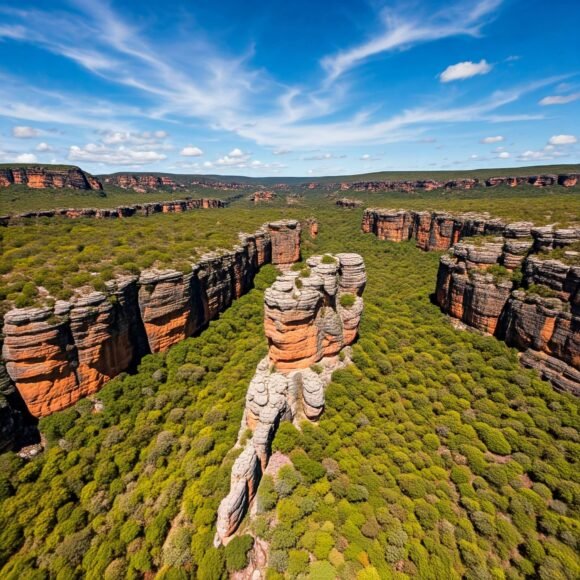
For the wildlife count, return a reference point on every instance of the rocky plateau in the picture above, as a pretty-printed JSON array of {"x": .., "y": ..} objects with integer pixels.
[{"x": 55, "y": 355}]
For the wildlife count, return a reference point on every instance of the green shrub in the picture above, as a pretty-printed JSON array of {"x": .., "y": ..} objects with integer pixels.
[
  {"x": 347, "y": 300},
  {"x": 237, "y": 552}
]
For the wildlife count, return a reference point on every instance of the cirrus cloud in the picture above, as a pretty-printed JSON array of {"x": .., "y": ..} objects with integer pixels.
[{"x": 559, "y": 99}]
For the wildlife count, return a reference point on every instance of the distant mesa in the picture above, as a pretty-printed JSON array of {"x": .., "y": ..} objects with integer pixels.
[
  {"x": 147, "y": 182},
  {"x": 48, "y": 177}
]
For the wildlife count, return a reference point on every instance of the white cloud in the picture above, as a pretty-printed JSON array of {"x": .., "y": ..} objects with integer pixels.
[
  {"x": 504, "y": 155},
  {"x": 562, "y": 140},
  {"x": 26, "y": 158},
  {"x": 236, "y": 153},
  {"x": 281, "y": 151},
  {"x": 403, "y": 32},
  {"x": 496, "y": 139},
  {"x": 365, "y": 157},
  {"x": 22, "y": 132},
  {"x": 191, "y": 151},
  {"x": 464, "y": 70},
  {"x": 111, "y": 137},
  {"x": 99, "y": 153},
  {"x": 43, "y": 147},
  {"x": 559, "y": 99},
  {"x": 323, "y": 157}
]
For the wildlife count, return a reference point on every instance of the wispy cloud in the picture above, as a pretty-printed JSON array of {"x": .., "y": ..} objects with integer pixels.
[
  {"x": 401, "y": 32},
  {"x": 559, "y": 99}
]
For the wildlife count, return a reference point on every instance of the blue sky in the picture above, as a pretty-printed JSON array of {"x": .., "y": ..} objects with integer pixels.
[{"x": 289, "y": 88}]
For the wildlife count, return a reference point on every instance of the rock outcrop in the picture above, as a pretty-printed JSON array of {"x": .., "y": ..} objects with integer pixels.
[
  {"x": 56, "y": 355},
  {"x": 262, "y": 195},
  {"x": 310, "y": 317},
  {"x": 123, "y": 211},
  {"x": 537, "y": 310},
  {"x": 48, "y": 177},
  {"x": 348, "y": 203},
  {"x": 312, "y": 227}
]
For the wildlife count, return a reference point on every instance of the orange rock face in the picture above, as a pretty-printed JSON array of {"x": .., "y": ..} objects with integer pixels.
[
  {"x": 47, "y": 177},
  {"x": 304, "y": 320},
  {"x": 285, "y": 235}
]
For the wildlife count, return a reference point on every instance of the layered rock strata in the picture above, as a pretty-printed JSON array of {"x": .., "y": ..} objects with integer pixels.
[
  {"x": 542, "y": 317},
  {"x": 56, "y": 355},
  {"x": 310, "y": 318},
  {"x": 123, "y": 211},
  {"x": 142, "y": 182},
  {"x": 48, "y": 178},
  {"x": 439, "y": 231},
  {"x": 564, "y": 180}
]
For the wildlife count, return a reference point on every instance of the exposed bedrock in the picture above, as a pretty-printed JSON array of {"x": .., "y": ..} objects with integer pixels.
[
  {"x": 308, "y": 321},
  {"x": 56, "y": 355},
  {"x": 546, "y": 327},
  {"x": 48, "y": 177}
]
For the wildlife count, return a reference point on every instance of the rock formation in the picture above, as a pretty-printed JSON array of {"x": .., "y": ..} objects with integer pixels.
[
  {"x": 542, "y": 317},
  {"x": 311, "y": 225},
  {"x": 143, "y": 182},
  {"x": 565, "y": 180},
  {"x": 348, "y": 203},
  {"x": 262, "y": 195},
  {"x": 310, "y": 317},
  {"x": 48, "y": 177},
  {"x": 56, "y": 355}
]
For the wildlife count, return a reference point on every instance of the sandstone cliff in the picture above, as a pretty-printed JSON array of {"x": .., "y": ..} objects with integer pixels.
[
  {"x": 541, "y": 317},
  {"x": 309, "y": 317},
  {"x": 48, "y": 178},
  {"x": 432, "y": 230},
  {"x": 348, "y": 203},
  {"x": 56, "y": 355}
]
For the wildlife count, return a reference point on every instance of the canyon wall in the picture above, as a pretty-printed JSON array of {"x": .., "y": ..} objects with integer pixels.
[
  {"x": 433, "y": 230},
  {"x": 545, "y": 180},
  {"x": 528, "y": 300},
  {"x": 56, "y": 355},
  {"x": 123, "y": 211},
  {"x": 508, "y": 287},
  {"x": 48, "y": 178},
  {"x": 310, "y": 319}
]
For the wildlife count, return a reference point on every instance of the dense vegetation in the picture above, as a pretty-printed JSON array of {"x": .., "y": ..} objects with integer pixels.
[
  {"x": 59, "y": 254},
  {"x": 437, "y": 456},
  {"x": 551, "y": 205}
]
